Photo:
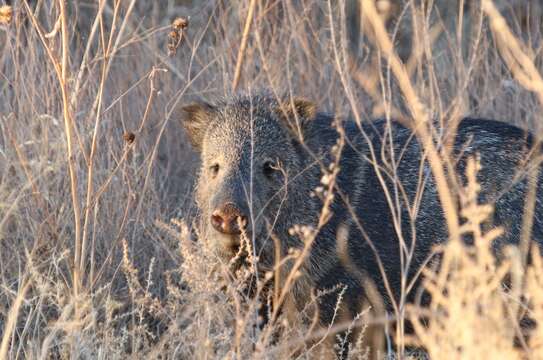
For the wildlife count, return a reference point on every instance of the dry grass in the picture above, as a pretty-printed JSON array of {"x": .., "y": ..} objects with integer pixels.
[
  {"x": 94, "y": 165},
  {"x": 470, "y": 315}
]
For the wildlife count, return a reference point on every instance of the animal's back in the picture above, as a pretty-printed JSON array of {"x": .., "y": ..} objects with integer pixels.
[{"x": 387, "y": 199}]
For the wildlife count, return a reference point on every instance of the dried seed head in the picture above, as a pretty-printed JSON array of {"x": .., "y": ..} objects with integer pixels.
[
  {"x": 175, "y": 36},
  {"x": 180, "y": 23},
  {"x": 129, "y": 137},
  {"x": 6, "y": 14},
  {"x": 326, "y": 179},
  {"x": 173, "y": 42},
  {"x": 383, "y": 6}
]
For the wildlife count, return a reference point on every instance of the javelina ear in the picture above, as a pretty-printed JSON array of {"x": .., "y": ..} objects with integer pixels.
[
  {"x": 298, "y": 113},
  {"x": 195, "y": 119}
]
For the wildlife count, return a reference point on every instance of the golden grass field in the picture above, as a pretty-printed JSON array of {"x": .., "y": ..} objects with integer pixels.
[{"x": 97, "y": 259}]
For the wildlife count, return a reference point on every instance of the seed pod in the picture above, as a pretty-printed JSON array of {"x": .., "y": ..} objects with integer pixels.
[
  {"x": 6, "y": 14},
  {"x": 129, "y": 137},
  {"x": 180, "y": 23},
  {"x": 175, "y": 36}
]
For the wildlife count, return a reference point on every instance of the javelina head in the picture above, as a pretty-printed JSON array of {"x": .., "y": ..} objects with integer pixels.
[{"x": 253, "y": 166}]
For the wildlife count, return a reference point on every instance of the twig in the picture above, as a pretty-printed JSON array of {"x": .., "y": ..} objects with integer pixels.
[
  {"x": 243, "y": 46},
  {"x": 68, "y": 124}
]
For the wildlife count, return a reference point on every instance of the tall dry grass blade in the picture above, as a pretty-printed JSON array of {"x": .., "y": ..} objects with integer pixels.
[
  {"x": 519, "y": 62},
  {"x": 69, "y": 128},
  {"x": 243, "y": 45},
  {"x": 11, "y": 322}
]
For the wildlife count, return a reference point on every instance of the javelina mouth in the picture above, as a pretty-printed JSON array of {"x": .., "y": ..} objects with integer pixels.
[
  {"x": 234, "y": 255},
  {"x": 227, "y": 251},
  {"x": 226, "y": 246},
  {"x": 231, "y": 249}
]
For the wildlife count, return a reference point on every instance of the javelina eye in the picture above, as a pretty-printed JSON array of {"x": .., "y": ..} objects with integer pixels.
[
  {"x": 269, "y": 169},
  {"x": 214, "y": 169}
]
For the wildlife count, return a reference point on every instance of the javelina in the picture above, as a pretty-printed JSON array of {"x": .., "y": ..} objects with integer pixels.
[{"x": 262, "y": 157}]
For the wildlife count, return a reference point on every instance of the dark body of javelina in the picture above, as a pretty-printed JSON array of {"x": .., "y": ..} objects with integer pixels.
[{"x": 256, "y": 169}]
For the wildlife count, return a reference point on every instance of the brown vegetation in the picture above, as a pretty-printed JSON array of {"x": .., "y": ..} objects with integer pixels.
[{"x": 95, "y": 171}]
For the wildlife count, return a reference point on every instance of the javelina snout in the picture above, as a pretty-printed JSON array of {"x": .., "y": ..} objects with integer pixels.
[{"x": 228, "y": 219}]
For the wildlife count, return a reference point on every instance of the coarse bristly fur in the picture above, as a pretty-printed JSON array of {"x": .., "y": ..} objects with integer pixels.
[{"x": 382, "y": 170}]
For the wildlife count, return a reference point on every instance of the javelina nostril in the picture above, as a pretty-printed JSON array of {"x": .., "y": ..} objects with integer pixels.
[{"x": 228, "y": 220}]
